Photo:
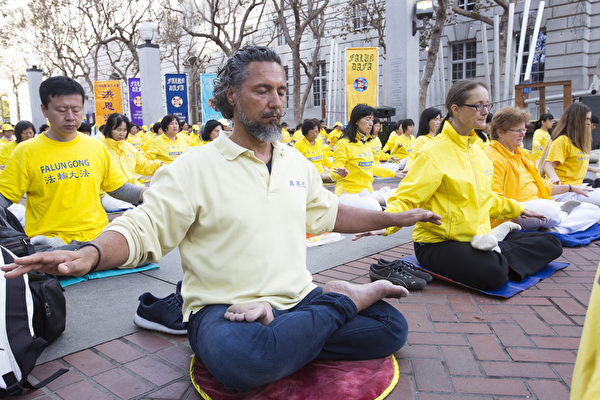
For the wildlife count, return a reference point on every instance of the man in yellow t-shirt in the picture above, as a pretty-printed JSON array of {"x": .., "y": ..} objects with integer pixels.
[
  {"x": 255, "y": 316},
  {"x": 62, "y": 171}
]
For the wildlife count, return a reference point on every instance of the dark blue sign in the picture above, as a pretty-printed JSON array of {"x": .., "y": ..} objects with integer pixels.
[{"x": 176, "y": 94}]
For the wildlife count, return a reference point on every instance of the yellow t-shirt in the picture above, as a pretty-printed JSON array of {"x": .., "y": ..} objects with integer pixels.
[
  {"x": 540, "y": 140},
  {"x": 572, "y": 162},
  {"x": 62, "y": 181},
  {"x": 166, "y": 150}
]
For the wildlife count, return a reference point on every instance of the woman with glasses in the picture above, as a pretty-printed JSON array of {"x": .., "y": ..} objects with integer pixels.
[
  {"x": 568, "y": 158},
  {"x": 516, "y": 177},
  {"x": 452, "y": 177}
]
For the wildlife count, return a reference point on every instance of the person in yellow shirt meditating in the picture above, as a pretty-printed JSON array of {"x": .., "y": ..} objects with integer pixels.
[
  {"x": 516, "y": 177},
  {"x": 393, "y": 136},
  {"x": 376, "y": 148},
  {"x": 334, "y": 135},
  {"x": 429, "y": 127},
  {"x": 24, "y": 130},
  {"x": 541, "y": 135},
  {"x": 354, "y": 164},
  {"x": 134, "y": 137},
  {"x": 453, "y": 178},
  {"x": 60, "y": 167},
  {"x": 239, "y": 209},
  {"x": 569, "y": 154},
  {"x": 132, "y": 162},
  {"x": 312, "y": 148},
  {"x": 170, "y": 145},
  {"x": 403, "y": 144}
]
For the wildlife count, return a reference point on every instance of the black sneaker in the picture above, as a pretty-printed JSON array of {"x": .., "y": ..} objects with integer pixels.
[
  {"x": 162, "y": 315},
  {"x": 396, "y": 275},
  {"x": 408, "y": 267}
]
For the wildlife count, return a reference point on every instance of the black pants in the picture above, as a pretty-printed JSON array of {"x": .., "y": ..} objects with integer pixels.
[{"x": 523, "y": 254}]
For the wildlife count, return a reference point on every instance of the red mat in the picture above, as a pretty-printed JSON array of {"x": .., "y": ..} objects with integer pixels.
[{"x": 331, "y": 380}]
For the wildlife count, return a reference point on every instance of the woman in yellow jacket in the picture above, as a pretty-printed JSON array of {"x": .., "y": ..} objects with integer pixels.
[
  {"x": 354, "y": 164},
  {"x": 453, "y": 178},
  {"x": 132, "y": 162},
  {"x": 312, "y": 148},
  {"x": 429, "y": 127},
  {"x": 541, "y": 135},
  {"x": 568, "y": 157},
  {"x": 516, "y": 177},
  {"x": 377, "y": 148},
  {"x": 404, "y": 144},
  {"x": 170, "y": 145}
]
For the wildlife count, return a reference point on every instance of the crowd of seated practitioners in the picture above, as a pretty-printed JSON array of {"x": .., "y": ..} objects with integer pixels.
[
  {"x": 453, "y": 177},
  {"x": 313, "y": 149}
]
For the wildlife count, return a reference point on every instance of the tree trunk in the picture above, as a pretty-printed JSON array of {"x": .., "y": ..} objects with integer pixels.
[{"x": 434, "y": 46}]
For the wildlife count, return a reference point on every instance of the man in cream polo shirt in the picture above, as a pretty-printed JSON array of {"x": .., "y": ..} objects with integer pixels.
[{"x": 239, "y": 208}]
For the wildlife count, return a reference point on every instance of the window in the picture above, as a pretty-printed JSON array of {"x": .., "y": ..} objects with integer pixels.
[
  {"x": 464, "y": 60},
  {"x": 286, "y": 71},
  {"x": 319, "y": 84},
  {"x": 539, "y": 58},
  {"x": 279, "y": 34},
  {"x": 359, "y": 15},
  {"x": 468, "y": 5}
]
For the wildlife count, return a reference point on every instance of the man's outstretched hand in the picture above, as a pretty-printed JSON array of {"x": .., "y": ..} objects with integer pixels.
[
  {"x": 411, "y": 217},
  {"x": 60, "y": 262}
]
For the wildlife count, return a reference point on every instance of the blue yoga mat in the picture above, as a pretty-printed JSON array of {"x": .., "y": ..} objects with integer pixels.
[
  {"x": 510, "y": 288},
  {"x": 579, "y": 238},
  {"x": 71, "y": 280}
]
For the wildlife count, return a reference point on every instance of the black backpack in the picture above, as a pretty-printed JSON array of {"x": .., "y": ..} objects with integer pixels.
[
  {"x": 12, "y": 235},
  {"x": 20, "y": 346}
]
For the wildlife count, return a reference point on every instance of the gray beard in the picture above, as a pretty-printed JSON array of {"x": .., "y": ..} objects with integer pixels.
[{"x": 270, "y": 133}]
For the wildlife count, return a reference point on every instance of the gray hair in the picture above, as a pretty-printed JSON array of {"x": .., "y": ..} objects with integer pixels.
[{"x": 235, "y": 72}]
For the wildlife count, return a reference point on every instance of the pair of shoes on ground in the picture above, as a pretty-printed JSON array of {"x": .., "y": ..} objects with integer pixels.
[
  {"x": 400, "y": 273},
  {"x": 161, "y": 314}
]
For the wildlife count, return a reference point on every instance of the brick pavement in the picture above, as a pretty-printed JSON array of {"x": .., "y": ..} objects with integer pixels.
[{"x": 461, "y": 345}]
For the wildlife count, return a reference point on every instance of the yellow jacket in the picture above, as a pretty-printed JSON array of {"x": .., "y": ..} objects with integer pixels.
[
  {"x": 135, "y": 141},
  {"x": 407, "y": 146},
  {"x": 333, "y": 137},
  {"x": 377, "y": 153},
  {"x": 418, "y": 143},
  {"x": 314, "y": 154},
  {"x": 285, "y": 136},
  {"x": 453, "y": 178},
  {"x": 389, "y": 145},
  {"x": 358, "y": 159},
  {"x": 540, "y": 139},
  {"x": 131, "y": 161}
]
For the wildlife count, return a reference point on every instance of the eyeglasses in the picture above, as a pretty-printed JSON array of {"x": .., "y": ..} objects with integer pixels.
[
  {"x": 520, "y": 131},
  {"x": 480, "y": 107}
]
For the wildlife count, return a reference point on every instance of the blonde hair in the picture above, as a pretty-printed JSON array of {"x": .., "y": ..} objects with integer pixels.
[
  {"x": 572, "y": 123},
  {"x": 506, "y": 118}
]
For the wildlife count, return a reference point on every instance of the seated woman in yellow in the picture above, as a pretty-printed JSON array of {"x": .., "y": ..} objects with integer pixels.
[
  {"x": 24, "y": 130},
  {"x": 393, "y": 136},
  {"x": 212, "y": 130},
  {"x": 568, "y": 157},
  {"x": 453, "y": 178},
  {"x": 132, "y": 162},
  {"x": 516, "y": 177},
  {"x": 429, "y": 127},
  {"x": 312, "y": 148},
  {"x": 334, "y": 135},
  {"x": 376, "y": 148},
  {"x": 354, "y": 164},
  {"x": 541, "y": 135},
  {"x": 135, "y": 137},
  {"x": 403, "y": 146},
  {"x": 285, "y": 135},
  {"x": 168, "y": 146}
]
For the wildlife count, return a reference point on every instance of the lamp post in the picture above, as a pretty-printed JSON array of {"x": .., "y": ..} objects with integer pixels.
[
  {"x": 34, "y": 80},
  {"x": 149, "y": 59}
]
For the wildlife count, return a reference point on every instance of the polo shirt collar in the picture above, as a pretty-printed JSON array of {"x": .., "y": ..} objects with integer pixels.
[{"x": 231, "y": 150}]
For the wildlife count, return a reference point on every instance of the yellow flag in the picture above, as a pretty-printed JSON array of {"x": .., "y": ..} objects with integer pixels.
[
  {"x": 107, "y": 95},
  {"x": 361, "y": 77}
]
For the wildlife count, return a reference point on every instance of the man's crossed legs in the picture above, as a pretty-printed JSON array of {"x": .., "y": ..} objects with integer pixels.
[{"x": 342, "y": 321}]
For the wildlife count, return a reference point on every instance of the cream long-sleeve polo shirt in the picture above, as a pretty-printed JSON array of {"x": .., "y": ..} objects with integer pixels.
[{"x": 240, "y": 229}]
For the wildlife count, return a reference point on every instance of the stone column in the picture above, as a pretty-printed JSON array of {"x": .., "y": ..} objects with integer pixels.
[
  {"x": 150, "y": 82},
  {"x": 34, "y": 80}
]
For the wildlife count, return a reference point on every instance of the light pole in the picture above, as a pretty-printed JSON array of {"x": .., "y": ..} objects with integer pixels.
[
  {"x": 150, "y": 81},
  {"x": 34, "y": 80}
]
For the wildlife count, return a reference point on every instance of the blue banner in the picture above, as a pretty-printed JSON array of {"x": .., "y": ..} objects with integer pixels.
[
  {"x": 135, "y": 101},
  {"x": 176, "y": 94},
  {"x": 207, "y": 84}
]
